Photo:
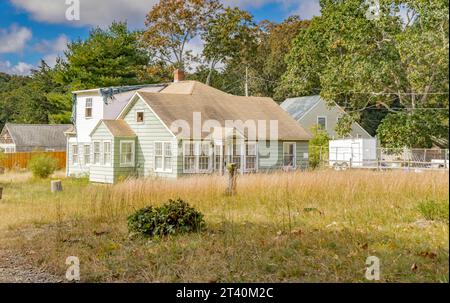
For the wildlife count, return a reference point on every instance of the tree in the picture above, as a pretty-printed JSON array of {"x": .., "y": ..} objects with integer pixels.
[
  {"x": 275, "y": 43},
  {"x": 259, "y": 55},
  {"x": 318, "y": 147},
  {"x": 227, "y": 37},
  {"x": 421, "y": 129},
  {"x": 172, "y": 24},
  {"x": 366, "y": 65},
  {"x": 110, "y": 57}
]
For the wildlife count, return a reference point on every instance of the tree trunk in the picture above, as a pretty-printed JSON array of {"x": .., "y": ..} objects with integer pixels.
[
  {"x": 2, "y": 170},
  {"x": 1, "y": 192},
  {"x": 56, "y": 186}
]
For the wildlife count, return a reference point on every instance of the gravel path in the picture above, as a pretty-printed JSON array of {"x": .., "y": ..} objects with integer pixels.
[{"x": 14, "y": 269}]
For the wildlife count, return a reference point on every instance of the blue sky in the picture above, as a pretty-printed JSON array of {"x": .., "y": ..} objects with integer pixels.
[{"x": 35, "y": 29}]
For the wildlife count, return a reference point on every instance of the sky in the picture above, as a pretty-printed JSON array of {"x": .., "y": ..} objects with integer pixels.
[{"x": 31, "y": 30}]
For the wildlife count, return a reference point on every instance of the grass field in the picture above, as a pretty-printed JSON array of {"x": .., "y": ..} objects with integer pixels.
[{"x": 287, "y": 227}]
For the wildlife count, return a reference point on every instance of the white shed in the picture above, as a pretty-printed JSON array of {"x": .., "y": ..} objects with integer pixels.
[{"x": 353, "y": 152}]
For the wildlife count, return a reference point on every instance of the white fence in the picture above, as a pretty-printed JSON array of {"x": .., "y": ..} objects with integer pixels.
[{"x": 388, "y": 158}]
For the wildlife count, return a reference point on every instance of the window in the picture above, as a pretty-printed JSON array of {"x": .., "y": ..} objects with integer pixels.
[
  {"x": 163, "y": 156},
  {"x": 250, "y": 157},
  {"x": 74, "y": 154},
  {"x": 140, "y": 117},
  {"x": 87, "y": 154},
  {"x": 127, "y": 153},
  {"x": 289, "y": 154},
  {"x": 218, "y": 158},
  {"x": 88, "y": 108},
  {"x": 96, "y": 152},
  {"x": 158, "y": 156},
  {"x": 236, "y": 158},
  {"x": 322, "y": 122},
  {"x": 167, "y": 156},
  {"x": 204, "y": 157},
  {"x": 189, "y": 157},
  {"x": 106, "y": 153}
]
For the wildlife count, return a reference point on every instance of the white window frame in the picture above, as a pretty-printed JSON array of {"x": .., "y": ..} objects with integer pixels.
[
  {"x": 89, "y": 154},
  {"x": 75, "y": 156},
  {"x": 194, "y": 169},
  {"x": 326, "y": 122},
  {"x": 163, "y": 156},
  {"x": 133, "y": 153},
  {"x": 218, "y": 158},
  {"x": 104, "y": 153},
  {"x": 91, "y": 107},
  {"x": 143, "y": 116},
  {"x": 255, "y": 144},
  {"x": 294, "y": 160},
  {"x": 94, "y": 153},
  {"x": 200, "y": 146}
]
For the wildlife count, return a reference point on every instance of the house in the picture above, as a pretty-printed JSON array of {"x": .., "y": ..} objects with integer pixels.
[
  {"x": 178, "y": 129},
  {"x": 313, "y": 111},
  {"x": 33, "y": 137}
]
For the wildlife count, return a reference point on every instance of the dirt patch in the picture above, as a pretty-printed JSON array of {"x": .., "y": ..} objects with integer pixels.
[{"x": 15, "y": 269}]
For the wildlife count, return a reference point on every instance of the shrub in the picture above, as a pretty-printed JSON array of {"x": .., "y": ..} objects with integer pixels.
[
  {"x": 434, "y": 210},
  {"x": 42, "y": 166},
  {"x": 172, "y": 218}
]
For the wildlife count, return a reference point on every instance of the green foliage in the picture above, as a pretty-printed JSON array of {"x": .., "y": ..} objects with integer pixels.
[
  {"x": 318, "y": 147},
  {"x": 230, "y": 36},
  {"x": 172, "y": 218},
  {"x": 434, "y": 210},
  {"x": 418, "y": 129},
  {"x": 42, "y": 166},
  {"x": 110, "y": 57},
  {"x": 172, "y": 24},
  {"x": 364, "y": 65},
  {"x": 35, "y": 99},
  {"x": 344, "y": 125}
]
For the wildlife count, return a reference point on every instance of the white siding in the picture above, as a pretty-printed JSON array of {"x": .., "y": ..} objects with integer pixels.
[{"x": 86, "y": 126}]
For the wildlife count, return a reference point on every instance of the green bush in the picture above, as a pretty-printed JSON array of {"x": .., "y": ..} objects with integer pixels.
[
  {"x": 172, "y": 218},
  {"x": 42, "y": 166},
  {"x": 434, "y": 210}
]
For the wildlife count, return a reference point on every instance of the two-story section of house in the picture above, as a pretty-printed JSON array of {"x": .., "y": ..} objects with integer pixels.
[{"x": 91, "y": 106}]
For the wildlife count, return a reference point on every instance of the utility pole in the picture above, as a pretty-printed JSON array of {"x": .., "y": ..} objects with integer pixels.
[{"x": 246, "y": 81}]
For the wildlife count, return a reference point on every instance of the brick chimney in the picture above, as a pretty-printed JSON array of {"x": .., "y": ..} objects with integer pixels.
[{"x": 178, "y": 75}]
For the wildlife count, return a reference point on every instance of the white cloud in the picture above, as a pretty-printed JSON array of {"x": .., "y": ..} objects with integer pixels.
[
  {"x": 14, "y": 39},
  {"x": 57, "y": 45},
  {"x": 92, "y": 13},
  {"x": 103, "y": 12},
  {"x": 20, "y": 68},
  {"x": 308, "y": 9},
  {"x": 52, "y": 49}
]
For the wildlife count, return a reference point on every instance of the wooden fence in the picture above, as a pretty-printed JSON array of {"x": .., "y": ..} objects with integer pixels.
[{"x": 20, "y": 160}]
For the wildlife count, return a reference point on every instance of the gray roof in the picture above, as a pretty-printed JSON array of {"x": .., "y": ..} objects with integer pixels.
[
  {"x": 298, "y": 107},
  {"x": 38, "y": 135}
]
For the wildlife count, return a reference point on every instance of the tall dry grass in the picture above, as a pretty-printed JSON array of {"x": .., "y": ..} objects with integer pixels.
[{"x": 303, "y": 226}]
